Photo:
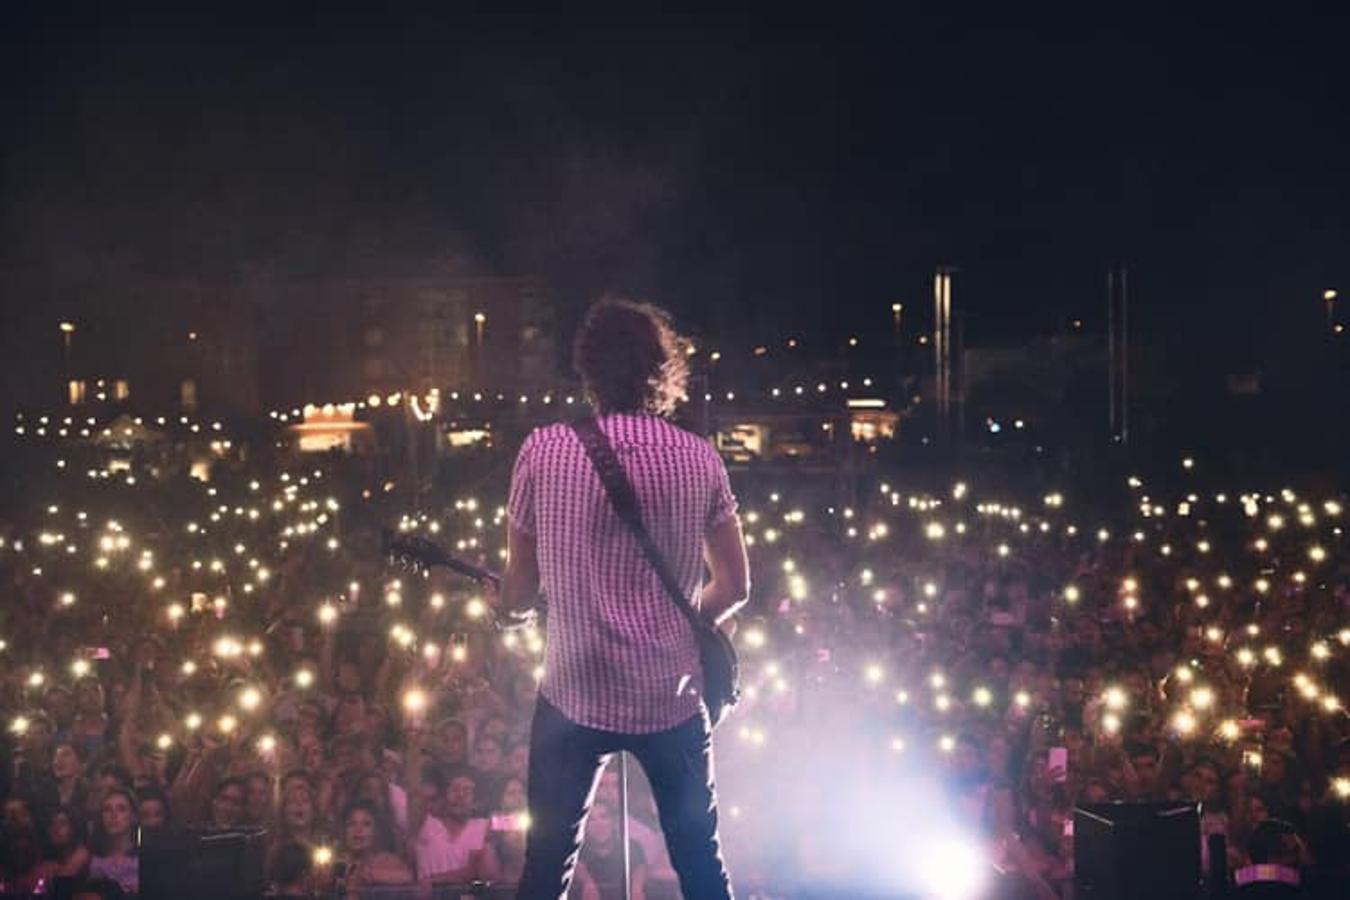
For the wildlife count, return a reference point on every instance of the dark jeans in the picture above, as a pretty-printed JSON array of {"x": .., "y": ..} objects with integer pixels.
[{"x": 566, "y": 760}]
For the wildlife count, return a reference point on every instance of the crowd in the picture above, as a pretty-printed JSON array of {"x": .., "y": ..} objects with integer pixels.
[{"x": 935, "y": 677}]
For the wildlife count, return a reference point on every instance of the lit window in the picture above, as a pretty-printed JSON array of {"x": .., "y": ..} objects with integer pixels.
[{"x": 187, "y": 394}]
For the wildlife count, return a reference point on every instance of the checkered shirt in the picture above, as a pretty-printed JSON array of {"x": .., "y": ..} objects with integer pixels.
[{"x": 620, "y": 657}]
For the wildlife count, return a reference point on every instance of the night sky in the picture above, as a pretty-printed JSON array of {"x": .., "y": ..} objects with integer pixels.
[{"x": 759, "y": 177}]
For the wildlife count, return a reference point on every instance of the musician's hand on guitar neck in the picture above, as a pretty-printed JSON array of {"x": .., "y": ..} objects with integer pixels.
[
  {"x": 507, "y": 618},
  {"x": 509, "y": 621}
]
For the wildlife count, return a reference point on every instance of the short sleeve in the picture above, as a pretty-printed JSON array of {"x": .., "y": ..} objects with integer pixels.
[
  {"x": 723, "y": 503},
  {"x": 520, "y": 502}
]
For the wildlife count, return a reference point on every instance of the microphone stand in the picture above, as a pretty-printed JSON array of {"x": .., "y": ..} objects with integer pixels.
[{"x": 623, "y": 826}]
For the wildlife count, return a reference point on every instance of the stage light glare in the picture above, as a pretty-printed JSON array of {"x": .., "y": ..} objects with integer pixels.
[{"x": 953, "y": 869}]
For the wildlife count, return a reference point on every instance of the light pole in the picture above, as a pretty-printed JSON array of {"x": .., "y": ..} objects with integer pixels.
[
  {"x": 67, "y": 330},
  {"x": 942, "y": 348},
  {"x": 479, "y": 320},
  {"x": 897, "y": 315},
  {"x": 1329, "y": 295}
]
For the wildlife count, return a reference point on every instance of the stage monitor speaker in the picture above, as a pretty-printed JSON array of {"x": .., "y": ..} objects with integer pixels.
[
  {"x": 204, "y": 864},
  {"x": 1127, "y": 851}
]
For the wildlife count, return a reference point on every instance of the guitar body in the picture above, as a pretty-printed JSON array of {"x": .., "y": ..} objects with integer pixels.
[{"x": 721, "y": 672}]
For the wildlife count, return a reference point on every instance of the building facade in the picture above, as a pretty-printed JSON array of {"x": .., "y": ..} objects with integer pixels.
[{"x": 353, "y": 337}]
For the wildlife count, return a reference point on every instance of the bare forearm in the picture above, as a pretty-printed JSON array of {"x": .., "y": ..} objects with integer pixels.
[
  {"x": 131, "y": 702},
  {"x": 326, "y": 652},
  {"x": 721, "y": 601},
  {"x": 189, "y": 791},
  {"x": 412, "y": 777},
  {"x": 127, "y": 738},
  {"x": 728, "y": 584},
  {"x": 489, "y": 866},
  {"x": 519, "y": 591}
]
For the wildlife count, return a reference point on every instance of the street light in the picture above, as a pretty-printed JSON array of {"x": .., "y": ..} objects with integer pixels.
[
  {"x": 67, "y": 329},
  {"x": 1329, "y": 295},
  {"x": 479, "y": 320},
  {"x": 897, "y": 313}
]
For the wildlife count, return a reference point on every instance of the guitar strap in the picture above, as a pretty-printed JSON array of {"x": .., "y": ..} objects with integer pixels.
[{"x": 625, "y": 502}]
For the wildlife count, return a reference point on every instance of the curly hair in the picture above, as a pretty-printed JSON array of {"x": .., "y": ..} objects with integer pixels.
[{"x": 630, "y": 357}]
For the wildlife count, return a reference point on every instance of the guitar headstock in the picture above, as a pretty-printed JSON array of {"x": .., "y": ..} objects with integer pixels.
[
  {"x": 412, "y": 552},
  {"x": 421, "y": 555}
]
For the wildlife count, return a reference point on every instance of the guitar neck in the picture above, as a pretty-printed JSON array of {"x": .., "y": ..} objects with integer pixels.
[
  {"x": 469, "y": 570},
  {"x": 422, "y": 553}
]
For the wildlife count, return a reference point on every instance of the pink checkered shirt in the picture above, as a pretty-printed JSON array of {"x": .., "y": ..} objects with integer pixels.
[{"x": 620, "y": 657}]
